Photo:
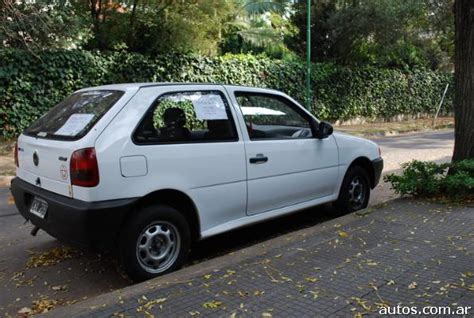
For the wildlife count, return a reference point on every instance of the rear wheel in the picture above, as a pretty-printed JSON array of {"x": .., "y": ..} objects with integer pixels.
[
  {"x": 355, "y": 190},
  {"x": 154, "y": 242}
]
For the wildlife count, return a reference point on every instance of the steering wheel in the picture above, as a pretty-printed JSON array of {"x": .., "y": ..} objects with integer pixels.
[{"x": 302, "y": 133}]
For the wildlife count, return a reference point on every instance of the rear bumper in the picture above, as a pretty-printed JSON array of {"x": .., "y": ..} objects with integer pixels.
[
  {"x": 378, "y": 167},
  {"x": 88, "y": 224}
]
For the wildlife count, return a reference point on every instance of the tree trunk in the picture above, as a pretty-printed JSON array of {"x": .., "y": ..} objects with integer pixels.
[
  {"x": 131, "y": 26},
  {"x": 464, "y": 80}
]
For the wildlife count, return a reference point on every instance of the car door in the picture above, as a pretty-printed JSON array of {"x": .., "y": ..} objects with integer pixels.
[
  {"x": 286, "y": 165},
  {"x": 185, "y": 139}
]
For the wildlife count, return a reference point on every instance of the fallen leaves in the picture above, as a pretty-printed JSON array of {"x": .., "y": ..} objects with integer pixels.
[
  {"x": 315, "y": 293},
  {"x": 366, "y": 306},
  {"x": 40, "y": 306},
  {"x": 229, "y": 273},
  {"x": 25, "y": 311},
  {"x": 149, "y": 304},
  {"x": 412, "y": 285},
  {"x": 43, "y": 305},
  {"x": 20, "y": 280},
  {"x": 60, "y": 288},
  {"x": 342, "y": 234},
  {"x": 242, "y": 294},
  {"x": 362, "y": 303},
  {"x": 51, "y": 257},
  {"x": 213, "y": 304}
]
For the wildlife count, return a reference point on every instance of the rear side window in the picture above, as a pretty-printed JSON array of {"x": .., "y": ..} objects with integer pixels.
[
  {"x": 184, "y": 117},
  {"x": 72, "y": 118}
]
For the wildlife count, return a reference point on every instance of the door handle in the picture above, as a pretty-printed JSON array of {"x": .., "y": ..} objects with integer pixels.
[{"x": 260, "y": 158}]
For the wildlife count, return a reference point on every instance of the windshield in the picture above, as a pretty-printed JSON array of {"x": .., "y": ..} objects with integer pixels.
[{"x": 72, "y": 118}]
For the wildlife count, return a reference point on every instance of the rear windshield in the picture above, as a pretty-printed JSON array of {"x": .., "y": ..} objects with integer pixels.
[{"x": 72, "y": 118}]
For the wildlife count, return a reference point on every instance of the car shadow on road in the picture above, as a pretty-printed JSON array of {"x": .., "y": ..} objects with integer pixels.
[{"x": 237, "y": 239}]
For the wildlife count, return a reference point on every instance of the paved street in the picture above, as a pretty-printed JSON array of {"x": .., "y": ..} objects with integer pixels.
[
  {"x": 407, "y": 253},
  {"x": 433, "y": 146},
  {"x": 38, "y": 272}
]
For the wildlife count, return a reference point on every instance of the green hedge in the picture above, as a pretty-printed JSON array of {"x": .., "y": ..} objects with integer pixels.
[{"x": 31, "y": 83}]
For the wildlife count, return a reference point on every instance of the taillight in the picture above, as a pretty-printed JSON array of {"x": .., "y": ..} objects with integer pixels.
[
  {"x": 16, "y": 154},
  {"x": 84, "y": 169}
]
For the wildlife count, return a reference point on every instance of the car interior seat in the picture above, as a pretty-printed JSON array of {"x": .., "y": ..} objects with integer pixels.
[
  {"x": 218, "y": 129},
  {"x": 174, "y": 122}
]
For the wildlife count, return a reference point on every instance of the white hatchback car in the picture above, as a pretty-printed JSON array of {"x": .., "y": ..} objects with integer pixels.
[{"x": 149, "y": 168}]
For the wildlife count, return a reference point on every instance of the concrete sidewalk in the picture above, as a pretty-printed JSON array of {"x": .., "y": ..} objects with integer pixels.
[{"x": 407, "y": 253}]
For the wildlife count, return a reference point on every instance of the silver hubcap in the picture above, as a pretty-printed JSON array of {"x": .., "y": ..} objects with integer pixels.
[
  {"x": 356, "y": 193},
  {"x": 158, "y": 247}
]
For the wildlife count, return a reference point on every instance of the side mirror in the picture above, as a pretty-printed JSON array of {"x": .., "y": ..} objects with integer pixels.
[
  {"x": 321, "y": 130},
  {"x": 314, "y": 125}
]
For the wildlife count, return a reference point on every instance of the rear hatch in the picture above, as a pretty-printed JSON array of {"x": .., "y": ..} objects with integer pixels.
[
  {"x": 45, "y": 163},
  {"x": 45, "y": 148}
]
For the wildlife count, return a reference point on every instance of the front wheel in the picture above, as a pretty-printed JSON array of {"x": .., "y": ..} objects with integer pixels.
[
  {"x": 355, "y": 190},
  {"x": 155, "y": 241}
]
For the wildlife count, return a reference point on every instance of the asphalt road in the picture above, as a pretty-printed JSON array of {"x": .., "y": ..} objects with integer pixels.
[
  {"x": 428, "y": 146},
  {"x": 39, "y": 272}
]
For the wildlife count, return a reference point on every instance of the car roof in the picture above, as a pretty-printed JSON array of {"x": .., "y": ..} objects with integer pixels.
[{"x": 127, "y": 86}]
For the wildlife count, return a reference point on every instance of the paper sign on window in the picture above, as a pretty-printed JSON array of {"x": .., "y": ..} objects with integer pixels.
[
  {"x": 74, "y": 124},
  {"x": 209, "y": 107}
]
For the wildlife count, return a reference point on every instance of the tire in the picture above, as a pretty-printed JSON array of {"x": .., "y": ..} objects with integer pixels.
[
  {"x": 354, "y": 194},
  {"x": 154, "y": 242}
]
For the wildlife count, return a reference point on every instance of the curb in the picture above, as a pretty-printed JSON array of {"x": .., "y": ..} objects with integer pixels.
[{"x": 392, "y": 133}]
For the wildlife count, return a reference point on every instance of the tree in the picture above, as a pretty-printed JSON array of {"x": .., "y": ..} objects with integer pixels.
[
  {"x": 384, "y": 33},
  {"x": 258, "y": 26},
  {"x": 154, "y": 27},
  {"x": 464, "y": 80},
  {"x": 440, "y": 22},
  {"x": 40, "y": 25}
]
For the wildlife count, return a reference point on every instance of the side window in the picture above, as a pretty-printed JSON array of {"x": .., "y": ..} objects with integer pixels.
[
  {"x": 272, "y": 117},
  {"x": 187, "y": 117}
]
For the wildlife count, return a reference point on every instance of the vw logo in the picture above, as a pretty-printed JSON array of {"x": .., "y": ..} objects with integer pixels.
[{"x": 35, "y": 159}]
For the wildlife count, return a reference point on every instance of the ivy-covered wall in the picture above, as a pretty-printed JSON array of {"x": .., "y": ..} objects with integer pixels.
[{"x": 31, "y": 83}]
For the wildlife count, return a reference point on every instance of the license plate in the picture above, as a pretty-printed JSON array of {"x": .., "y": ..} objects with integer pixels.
[{"x": 39, "y": 207}]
